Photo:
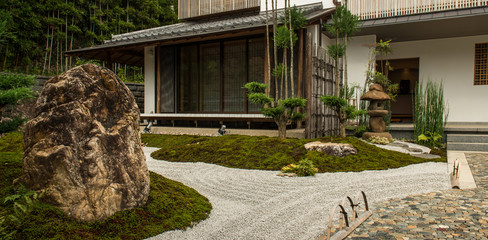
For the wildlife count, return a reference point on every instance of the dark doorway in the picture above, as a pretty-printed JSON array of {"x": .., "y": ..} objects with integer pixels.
[{"x": 404, "y": 72}]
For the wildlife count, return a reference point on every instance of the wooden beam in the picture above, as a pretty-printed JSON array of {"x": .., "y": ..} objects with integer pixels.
[{"x": 266, "y": 56}]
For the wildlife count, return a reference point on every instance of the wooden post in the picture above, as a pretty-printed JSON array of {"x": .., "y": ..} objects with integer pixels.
[
  {"x": 300, "y": 71},
  {"x": 109, "y": 60},
  {"x": 266, "y": 56},
  {"x": 158, "y": 77},
  {"x": 308, "y": 81}
]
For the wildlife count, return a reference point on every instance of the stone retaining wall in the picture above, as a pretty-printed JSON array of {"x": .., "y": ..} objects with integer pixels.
[{"x": 137, "y": 90}]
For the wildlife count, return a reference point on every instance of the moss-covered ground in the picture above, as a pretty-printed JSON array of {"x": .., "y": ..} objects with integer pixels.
[
  {"x": 171, "y": 205},
  {"x": 267, "y": 153}
]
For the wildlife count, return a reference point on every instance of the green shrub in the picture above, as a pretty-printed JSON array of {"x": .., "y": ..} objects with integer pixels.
[
  {"x": 379, "y": 140},
  {"x": 360, "y": 130},
  {"x": 430, "y": 111},
  {"x": 303, "y": 168},
  {"x": 11, "y": 124}
]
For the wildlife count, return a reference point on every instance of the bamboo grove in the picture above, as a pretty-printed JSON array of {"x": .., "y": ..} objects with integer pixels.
[{"x": 37, "y": 32}]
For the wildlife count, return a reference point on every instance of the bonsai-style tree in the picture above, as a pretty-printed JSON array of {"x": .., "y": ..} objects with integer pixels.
[
  {"x": 340, "y": 106},
  {"x": 282, "y": 111},
  {"x": 13, "y": 88}
]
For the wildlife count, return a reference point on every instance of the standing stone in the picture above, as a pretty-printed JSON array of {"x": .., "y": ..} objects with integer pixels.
[{"x": 83, "y": 148}]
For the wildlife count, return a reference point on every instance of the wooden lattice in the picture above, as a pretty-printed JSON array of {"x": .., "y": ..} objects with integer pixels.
[{"x": 481, "y": 64}]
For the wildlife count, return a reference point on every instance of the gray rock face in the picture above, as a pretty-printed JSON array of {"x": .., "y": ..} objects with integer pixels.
[
  {"x": 332, "y": 149},
  {"x": 83, "y": 147}
]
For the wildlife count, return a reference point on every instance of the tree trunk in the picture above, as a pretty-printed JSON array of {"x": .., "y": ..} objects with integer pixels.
[
  {"x": 281, "y": 128},
  {"x": 345, "y": 67},
  {"x": 268, "y": 71},
  {"x": 291, "y": 52},
  {"x": 5, "y": 58},
  {"x": 336, "y": 70},
  {"x": 275, "y": 49},
  {"x": 342, "y": 128}
]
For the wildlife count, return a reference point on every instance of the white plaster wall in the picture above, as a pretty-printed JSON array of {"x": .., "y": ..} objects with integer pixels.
[
  {"x": 450, "y": 60},
  {"x": 358, "y": 51},
  {"x": 149, "y": 79}
]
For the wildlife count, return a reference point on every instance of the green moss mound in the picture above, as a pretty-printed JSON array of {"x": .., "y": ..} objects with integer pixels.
[
  {"x": 171, "y": 205},
  {"x": 267, "y": 153}
]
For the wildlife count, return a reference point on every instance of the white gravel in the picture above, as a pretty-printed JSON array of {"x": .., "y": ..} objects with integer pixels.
[{"x": 254, "y": 204}]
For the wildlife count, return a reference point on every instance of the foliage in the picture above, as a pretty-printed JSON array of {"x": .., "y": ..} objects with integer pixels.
[
  {"x": 267, "y": 153},
  {"x": 430, "y": 139},
  {"x": 15, "y": 87},
  {"x": 336, "y": 51},
  {"x": 302, "y": 169},
  {"x": 42, "y": 30},
  {"x": 383, "y": 48},
  {"x": 171, "y": 205},
  {"x": 282, "y": 111},
  {"x": 379, "y": 140},
  {"x": 343, "y": 24},
  {"x": 298, "y": 20},
  {"x": 360, "y": 130},
  {"x": 430, "y": 110},
  {"x": 9, "y": 125},
  {"x": 282, "y": 39},
  {"x": 23, "y": 203}
]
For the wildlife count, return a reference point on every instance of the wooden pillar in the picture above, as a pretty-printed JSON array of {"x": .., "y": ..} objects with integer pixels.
[
  {"x": 300, "y": 71},
  {"x": 109, "y": 60},
  {"x": 157, "y": 54},
  {"x": 308, "y": 81},
  {"x": 266, "y": 56}
]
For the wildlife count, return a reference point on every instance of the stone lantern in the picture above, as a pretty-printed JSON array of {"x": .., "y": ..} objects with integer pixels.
[{"x": 376, "y": 111}]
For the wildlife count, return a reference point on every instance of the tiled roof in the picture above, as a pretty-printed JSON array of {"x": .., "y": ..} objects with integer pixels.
[
  {"x": 426, "y": 17},
  {"x": 206, "y": 26}
]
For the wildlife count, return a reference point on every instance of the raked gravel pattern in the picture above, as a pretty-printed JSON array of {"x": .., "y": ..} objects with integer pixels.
[{"x": 255, "y": 204}]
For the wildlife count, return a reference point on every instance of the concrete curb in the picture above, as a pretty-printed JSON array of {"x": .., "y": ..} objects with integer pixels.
[{"x": 466, "y": 180}]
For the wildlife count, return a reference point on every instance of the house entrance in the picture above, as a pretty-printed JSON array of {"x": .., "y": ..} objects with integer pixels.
[{"x": 405, "y": 72}]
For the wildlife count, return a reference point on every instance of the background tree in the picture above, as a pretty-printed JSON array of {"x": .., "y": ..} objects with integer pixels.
[
  {"x": 44, "y": 29},
  {"x": 343, "y": 25}
]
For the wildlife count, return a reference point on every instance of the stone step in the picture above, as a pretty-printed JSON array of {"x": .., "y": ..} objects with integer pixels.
[
  {"x": 463, "y": 146},
  {"x": 467, "y": 138}
]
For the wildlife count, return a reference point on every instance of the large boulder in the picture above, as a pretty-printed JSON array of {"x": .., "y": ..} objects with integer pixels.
[
  {"x": 83, "y": 148},
  {"x": 332, "y": 149}
]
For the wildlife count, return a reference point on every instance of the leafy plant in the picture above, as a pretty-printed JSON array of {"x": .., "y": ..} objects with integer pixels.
[
  {"x": 430, "y": 139},
  {"x": 430, "y": 110},
  {"x": 303, "y": 168},
  {"x": 24, "y": 203}
]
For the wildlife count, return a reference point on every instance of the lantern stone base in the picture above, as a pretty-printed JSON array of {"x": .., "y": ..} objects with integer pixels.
[{"x": 368, "y": 135}]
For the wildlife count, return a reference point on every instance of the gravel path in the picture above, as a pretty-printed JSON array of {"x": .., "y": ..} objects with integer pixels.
[{"x": 254, "y": 204}]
